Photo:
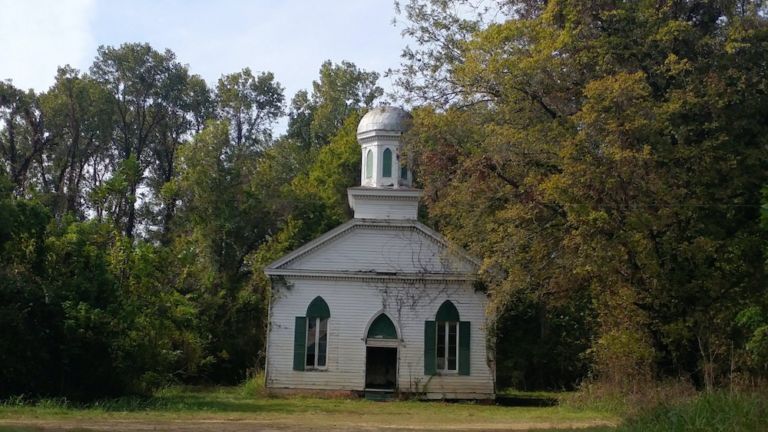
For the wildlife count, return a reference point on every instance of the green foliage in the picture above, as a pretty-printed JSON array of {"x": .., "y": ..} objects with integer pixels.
[
  {"x": 254, "y": 386},
  {"x": 718, "y": 411},
  {"x": 224, "y": 407},
  {"x": 23, "y": 307},
  {"x": 85, "y": 311},
  {"x": 607, "y": 151},
  {"x": 538, "y": 347},
  {"x": 23, "y": 137},
  {"x": 314, "y": 201},
  {"x": 335, "y": 168},
  {"x": 139, "y": 208},
  {"x": 251, "y": 105},
  {"x": 221, "y": 221},
  {"x": 78, "y": 117},
  {"x": 606, "y": 160},
  {"x": 341, "y": 90},
  {"x": 753, "y": 320}
]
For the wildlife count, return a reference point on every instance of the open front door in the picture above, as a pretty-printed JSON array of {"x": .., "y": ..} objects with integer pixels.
[
  {"x": 381, "y": 356},
  {"x": 380, "y": 368}
]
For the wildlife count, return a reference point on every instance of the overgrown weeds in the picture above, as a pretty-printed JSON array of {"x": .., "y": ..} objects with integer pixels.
[
  {"x": 628, "y": 403},
  {"x": 254, "y": 385},
  {"x": 720, "y": 411}
]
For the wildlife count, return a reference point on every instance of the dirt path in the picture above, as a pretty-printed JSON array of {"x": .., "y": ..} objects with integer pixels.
[{"x": 268, "y": 426}]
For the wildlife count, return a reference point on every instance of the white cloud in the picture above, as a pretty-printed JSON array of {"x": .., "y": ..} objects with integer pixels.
[{"x": 38, "y": 36}]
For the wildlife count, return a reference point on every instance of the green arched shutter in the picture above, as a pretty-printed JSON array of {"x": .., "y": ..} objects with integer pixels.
[
  {"x": 299, "y": 343},
  {"x": 318, "y": 308},
  {"x": 430, "y": 356},
  {"x": 447, "y": 312},
  {"x": 464, "y": 338},
  {"x": 386, "y": 167},
  {"x": 382, "y": 328}
]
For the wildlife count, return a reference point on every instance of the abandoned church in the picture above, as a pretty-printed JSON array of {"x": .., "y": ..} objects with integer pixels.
[{"x": 382, "y": 304}]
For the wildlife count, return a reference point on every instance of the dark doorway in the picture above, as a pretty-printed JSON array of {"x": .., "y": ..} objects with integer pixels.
[{"x": 380, "y": 368}]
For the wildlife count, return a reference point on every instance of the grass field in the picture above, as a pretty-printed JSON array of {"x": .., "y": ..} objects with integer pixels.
[
  {"x": 245, "y": 408},
  {"x": 239, "y": 409}
]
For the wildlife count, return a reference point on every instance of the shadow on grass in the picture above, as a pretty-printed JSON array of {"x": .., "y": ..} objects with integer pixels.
[
  {"x": 233, "y": 400},
  {"x": 225, "y": 402},
  {"x": 580, "y": 429},
  {"x": 198, "y": 400},
  {"x": 523, "y": 401},
  {"x": 19, "y": 429},
  {"x": 37, "y": 429},
  {"x": 197, "y": 403}
]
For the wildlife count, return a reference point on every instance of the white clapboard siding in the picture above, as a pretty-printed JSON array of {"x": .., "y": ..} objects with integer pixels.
[
  {"x": 382, "y": 248},
  {"x": 353, "y": 305}
]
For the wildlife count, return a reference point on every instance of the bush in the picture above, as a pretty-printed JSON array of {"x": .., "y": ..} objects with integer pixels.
[
  {"x": 630, "y": 401},
  {"x": 253, "y": 386},
  {"x": 711, "y": 412}
]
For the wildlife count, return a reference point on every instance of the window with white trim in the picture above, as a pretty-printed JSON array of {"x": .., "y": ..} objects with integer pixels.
[
  {"x": 447, "y": 346},
  {"x": 447, "y": 342},
  {"x": 317, "y": 342}
]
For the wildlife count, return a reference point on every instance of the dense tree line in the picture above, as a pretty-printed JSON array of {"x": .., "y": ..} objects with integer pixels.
[
  {"x": 137, "y": 205},
  {"x": 606, "y": 159}
]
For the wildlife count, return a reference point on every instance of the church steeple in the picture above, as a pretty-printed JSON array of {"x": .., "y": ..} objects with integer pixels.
[
  {"x": 379, "y": 135},
  {"x": 385, "y": 190}
]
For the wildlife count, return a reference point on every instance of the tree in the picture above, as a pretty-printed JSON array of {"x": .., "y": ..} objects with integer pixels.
[
  {"x": 304, "y": 206},
  {"x": 79, "y": 120},
  {"x": 606, "y": 149},
  {"x": 22, "y": 239},
  {"x": 304, "y": 176},
  {"x": 222, "y": 220},
  {"x": 22, "y": 137},
  {"x": 140, "y": 81},
  {"x": 251, "y": 104},
  {"x": 341, "y": 90},
  {"x": 87, "y": 313},
  {"x": 187, "y": 103}
]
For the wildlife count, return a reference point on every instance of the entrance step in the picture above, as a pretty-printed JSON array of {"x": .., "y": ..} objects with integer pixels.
[{"x": 379, "y": 395}]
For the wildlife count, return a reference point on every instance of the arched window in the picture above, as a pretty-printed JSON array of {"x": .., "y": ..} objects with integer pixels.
[
  {"x": 382, "y": 328},
  {"x": 369, "y": 164},
  {"x": 386, "y": 167},
  {"x": 446, "y": 342},
  {"x": 447, "y": 349},
  {"x": 311, "y": 337}
]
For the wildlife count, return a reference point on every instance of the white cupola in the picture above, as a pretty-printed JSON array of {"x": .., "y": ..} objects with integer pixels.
[
  {"x": 379, "y": 134},
  {"x": 385, "y": 190}
]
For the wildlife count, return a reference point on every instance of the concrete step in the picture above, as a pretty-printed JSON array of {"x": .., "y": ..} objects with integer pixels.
[{"x": 379, "y": 395}]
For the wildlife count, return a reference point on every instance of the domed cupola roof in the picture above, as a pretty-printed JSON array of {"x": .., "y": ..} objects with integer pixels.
[
  {"x": 384, "y": 120},
  {"x": 379, "y": 135}
]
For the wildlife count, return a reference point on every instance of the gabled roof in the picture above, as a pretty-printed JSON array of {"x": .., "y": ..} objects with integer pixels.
[{"x": 375, "y": 248}]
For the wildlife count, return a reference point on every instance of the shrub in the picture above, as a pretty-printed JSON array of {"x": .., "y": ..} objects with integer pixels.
[
  {"x": 254, "y": 385},
  {"x": 709, "y": 412}
]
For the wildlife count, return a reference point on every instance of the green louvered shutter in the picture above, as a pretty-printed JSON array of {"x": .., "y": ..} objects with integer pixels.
[
  {"x": 299, "y": 343},
  {"x": 429, "y": 348},
  {"x": 464, "y": 338}
]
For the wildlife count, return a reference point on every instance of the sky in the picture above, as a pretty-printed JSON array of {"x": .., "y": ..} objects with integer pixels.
[{"x": 290, "y": 38}]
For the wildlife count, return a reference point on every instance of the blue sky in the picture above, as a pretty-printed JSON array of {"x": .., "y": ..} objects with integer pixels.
[{"x": 290, "y": 38}]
